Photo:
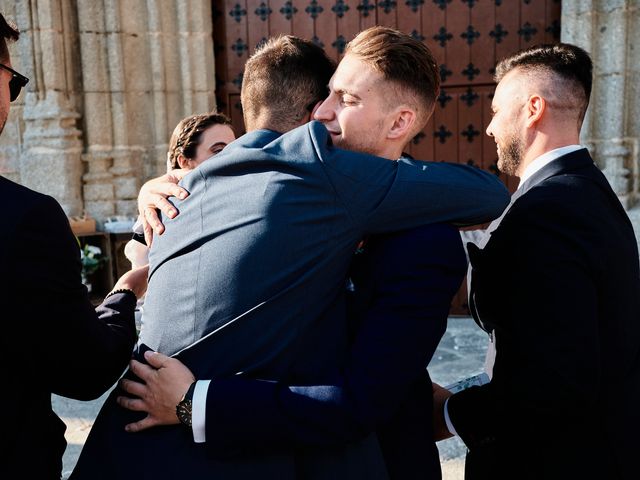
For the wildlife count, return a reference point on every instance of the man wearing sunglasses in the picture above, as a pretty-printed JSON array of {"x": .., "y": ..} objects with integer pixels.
[
  {"x": 16, "y": 83},
  {"x": 48, "y": 320}
]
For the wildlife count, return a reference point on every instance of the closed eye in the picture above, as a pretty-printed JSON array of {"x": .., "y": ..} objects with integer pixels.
[{"x": 217, "y": 148}]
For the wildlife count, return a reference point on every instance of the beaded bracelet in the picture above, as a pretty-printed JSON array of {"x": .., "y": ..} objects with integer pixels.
[{"x": 121, "y": 290}]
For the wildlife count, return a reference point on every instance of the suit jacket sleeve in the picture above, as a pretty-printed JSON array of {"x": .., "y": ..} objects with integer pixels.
[
  {"x": 80, "y": 351},
  {"x": 414, "y": 276},
  {"x": 535, "y": 282},
  {"x": 409, "y": 193}
]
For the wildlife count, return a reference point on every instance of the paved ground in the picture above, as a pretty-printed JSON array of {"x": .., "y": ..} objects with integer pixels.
[{"x": 459, "y": 355}]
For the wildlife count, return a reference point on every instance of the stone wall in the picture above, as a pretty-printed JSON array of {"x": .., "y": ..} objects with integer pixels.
[
  {"x": 610, "y": 31},
  {"x": 109, "y": 80}
]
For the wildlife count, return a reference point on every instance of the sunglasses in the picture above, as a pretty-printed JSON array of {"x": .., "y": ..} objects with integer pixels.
[{"x": 16, "y": 83}]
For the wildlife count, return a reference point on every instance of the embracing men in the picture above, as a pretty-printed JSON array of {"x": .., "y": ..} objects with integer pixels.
[{"x": 248, "y": 282}]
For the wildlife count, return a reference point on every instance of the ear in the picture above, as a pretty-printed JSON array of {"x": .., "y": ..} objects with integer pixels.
[
  {"x": 183, "y": 161},
  {"x": 403, "y": 122},
  {"x": 535, "y": 109}
]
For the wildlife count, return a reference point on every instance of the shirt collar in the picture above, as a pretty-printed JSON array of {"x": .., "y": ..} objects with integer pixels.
[{"x": 545, "y": 159}]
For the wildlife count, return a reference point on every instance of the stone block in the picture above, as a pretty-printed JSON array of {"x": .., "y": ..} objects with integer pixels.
[
  {"x": 167, "y": 13},
  {"x": 610, "y": 38},
  {"x": 608, "y": 6},
  {"x": 137, "y": 62},
  {"x": 97, "y": 118},
  {"x": 53, "y": 65},
  {"x": 133, "y": 17},
  {"x": 126, "y": 188},
  {"x": 100, "y": 210},
  {"x": 608, "y": 106},
  {"x": 91, "y": 17},
  {"x": 172, "y": 63},
  {"x": 98, "y": 191},
  {"x": 127, "y": 208},
  {"x": 175, "y": 112},
  {"x": 49, "y": 14},
  {"x": 200, "y": 17},
  {"x": 202, "y": 65},
  {"x": 55, "y": 173},
  {"x": 93, "y": 49},
  {"x": 203, "y": 101},
  {"x": 632, "y": 95},
  {"x": 139, "y": 118}
]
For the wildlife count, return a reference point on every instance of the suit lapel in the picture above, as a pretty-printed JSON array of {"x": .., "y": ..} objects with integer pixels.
[{"x": 566, "y": 163}]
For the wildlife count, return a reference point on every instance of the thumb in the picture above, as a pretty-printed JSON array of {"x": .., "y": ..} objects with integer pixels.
[{"x": 156, "y": 359}]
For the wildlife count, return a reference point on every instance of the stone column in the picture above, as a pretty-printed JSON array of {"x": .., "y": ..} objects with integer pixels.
[
  {"x": 109, "y": 80},
  {"x": 610, "y": 30},
  {"x": 144, "y": 68},
  {"x": 51, "y": 151},
  {"x": 633, "y": 110}
]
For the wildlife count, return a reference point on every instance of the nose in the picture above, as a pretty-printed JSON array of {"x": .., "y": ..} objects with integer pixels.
[
  {"x": 325, "y": 112},
  {"x": 489, "y": 130}
]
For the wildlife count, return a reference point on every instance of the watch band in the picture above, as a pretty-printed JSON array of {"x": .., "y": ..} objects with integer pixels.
[{"x": 184, "y": 407}]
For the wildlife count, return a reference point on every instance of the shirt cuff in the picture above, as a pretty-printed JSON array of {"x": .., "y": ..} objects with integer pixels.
[
  {"x": 447, "y": 420},
  {"x": 199, "y": 411}
]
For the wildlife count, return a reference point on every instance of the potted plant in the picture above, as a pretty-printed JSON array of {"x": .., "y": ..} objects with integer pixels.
[{"x": 92, "y": 261}]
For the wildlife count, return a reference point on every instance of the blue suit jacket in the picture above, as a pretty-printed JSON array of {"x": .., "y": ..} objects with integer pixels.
[
  {"x": 404, "y": 283},
  {"x": 248, "y": 281}
]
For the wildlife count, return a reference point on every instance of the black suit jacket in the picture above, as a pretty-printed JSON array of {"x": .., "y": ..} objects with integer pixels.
[
  {"x": 558, "y": 281},
  {"x": 52, "y": 339},
  {"x": 404, "y": 283}
]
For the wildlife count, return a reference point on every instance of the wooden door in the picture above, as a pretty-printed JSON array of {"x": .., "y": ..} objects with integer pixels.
[{"x": 467, "y": 37}]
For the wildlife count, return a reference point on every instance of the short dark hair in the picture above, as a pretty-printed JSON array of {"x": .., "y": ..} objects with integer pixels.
[
  {"x": 569, "y": 62},
  {"x": 8, "y": 33},
  {"x": 283, "y": 80},
  {"x": 188, "y": 133},
  {"x": 403, "y": 60}
]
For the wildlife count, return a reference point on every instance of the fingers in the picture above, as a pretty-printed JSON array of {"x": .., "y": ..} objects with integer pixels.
[
  {"x": 162, "y": 204},
  {"x": 177, "y": 175},
  {"x": 142, "y": 371},
  {"x": 152, "y": 221},
  {"x": 133, "y": 404},
  {"x": 143, "y": 424},
  {"x": 156, "y": 359},
  {"x": 148, "y": 231},
  {"x": 133, "y": 388}
]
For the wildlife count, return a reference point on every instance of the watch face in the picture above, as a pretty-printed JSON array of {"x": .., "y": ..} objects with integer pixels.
[{"x": 183, "y": 412}]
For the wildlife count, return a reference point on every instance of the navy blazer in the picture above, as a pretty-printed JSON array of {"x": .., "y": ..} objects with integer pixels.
[
  {"x": 558, "y": 281},
  {"x": 52, "y": 340},
  {"x": 249, "y": 281},
  {"x": 404, "y": 283}
]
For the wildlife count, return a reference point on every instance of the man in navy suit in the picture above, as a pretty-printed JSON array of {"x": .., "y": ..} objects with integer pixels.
[
  {"x": 555, "y": 282},
  {"x": 403, "y": 285},
  {"x": 258, "y": 286},
  {"x": 49, "y": 326}
]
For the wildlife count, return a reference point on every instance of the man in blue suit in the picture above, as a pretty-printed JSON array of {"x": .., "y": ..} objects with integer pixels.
[
  {"x": 274, "y": 220},
  {"x": 403, "y": 284}
]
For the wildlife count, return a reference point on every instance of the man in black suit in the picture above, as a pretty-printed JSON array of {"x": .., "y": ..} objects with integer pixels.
[
  {"x": 555, "y": 282},
  {"x": 51, "y": 335}
]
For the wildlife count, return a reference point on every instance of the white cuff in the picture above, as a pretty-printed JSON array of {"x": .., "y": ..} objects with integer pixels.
[
  {"x": 199, "y": 411},
  {"x": 447, "y": 420}
]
